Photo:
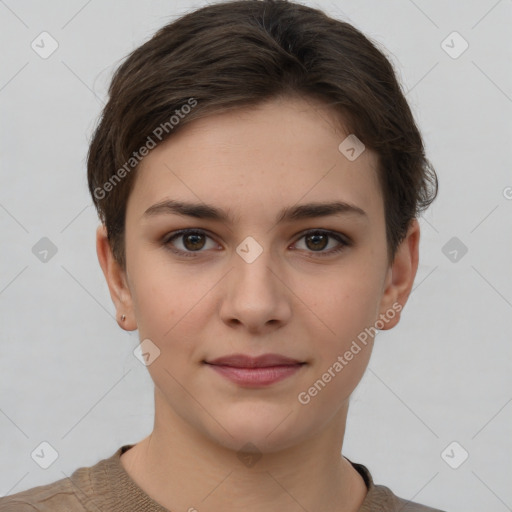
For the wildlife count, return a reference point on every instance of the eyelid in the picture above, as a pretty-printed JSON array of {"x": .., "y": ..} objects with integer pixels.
[
  {"x": 333, "y": 234},
  {"x": 169, "y": 237},
  {"x": 343, "y": 242},
  {"x": 341, "y": 238}
]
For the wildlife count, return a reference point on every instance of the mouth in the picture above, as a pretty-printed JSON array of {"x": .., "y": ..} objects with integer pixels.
[
  {"x": 263, "y": 361},
  {"x": 247, "y": 371}
]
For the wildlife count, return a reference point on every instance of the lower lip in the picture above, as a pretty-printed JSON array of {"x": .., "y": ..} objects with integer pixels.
[{"x": 256, "y": 377}]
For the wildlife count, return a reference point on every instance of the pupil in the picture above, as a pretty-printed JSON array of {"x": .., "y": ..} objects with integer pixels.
[
  {"x": 194, "y": 243},
  {"x": 316, "y": 237}
]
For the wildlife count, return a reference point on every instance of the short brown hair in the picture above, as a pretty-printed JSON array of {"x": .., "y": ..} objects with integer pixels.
[{"x": 239, "y": 54}]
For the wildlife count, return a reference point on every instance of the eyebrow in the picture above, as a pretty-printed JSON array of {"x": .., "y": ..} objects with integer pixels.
[{"x": 289, "y": 214}]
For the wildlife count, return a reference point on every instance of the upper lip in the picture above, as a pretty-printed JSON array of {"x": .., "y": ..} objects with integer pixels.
[{"x": 244, "y": 361}]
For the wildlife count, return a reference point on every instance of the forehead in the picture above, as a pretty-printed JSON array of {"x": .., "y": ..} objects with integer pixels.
[{"x": 251, "y": 160}]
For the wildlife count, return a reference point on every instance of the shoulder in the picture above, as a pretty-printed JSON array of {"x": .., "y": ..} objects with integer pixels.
[
  {"x": 11, "y": 505},
  {"x": 381, "y": 499},
  {"x": 62, "y": 495},
  {"x": 384, "y": 500},
  {"x": 84, "y": 491}
]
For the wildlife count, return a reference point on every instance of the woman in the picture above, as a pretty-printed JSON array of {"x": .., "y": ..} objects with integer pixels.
[{"x": 258, "y": 176}]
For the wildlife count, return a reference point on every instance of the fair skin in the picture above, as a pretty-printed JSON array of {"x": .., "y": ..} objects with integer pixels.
[{"x": 290, "y": 300}]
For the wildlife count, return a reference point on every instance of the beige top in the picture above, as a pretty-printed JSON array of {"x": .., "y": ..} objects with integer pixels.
[{"x": 107, "y": 487}]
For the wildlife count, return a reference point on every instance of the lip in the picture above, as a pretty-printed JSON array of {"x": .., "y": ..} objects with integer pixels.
[
  {"x": 254, "y": 372},
  {"x": 263, "y": 361}
]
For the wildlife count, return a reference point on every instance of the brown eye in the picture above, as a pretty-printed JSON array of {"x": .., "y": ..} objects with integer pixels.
[
  {"x": 318, "y": 241},
  {"x": 193, "y": 241},
  {"x": 188, "y": 242}
]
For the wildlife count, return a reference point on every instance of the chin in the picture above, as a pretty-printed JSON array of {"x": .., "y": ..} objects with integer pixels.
[{"x": 257, "y": 431}]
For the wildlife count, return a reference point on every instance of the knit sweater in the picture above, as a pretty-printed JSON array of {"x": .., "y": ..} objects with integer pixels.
[{"x": 107, "y": 487}]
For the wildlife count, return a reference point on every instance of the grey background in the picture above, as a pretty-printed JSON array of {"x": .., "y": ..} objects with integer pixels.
[{"x": 68, "y": 375}]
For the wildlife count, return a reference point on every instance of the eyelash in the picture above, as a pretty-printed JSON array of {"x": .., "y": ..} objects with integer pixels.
[{"x": 344, "y": 241}]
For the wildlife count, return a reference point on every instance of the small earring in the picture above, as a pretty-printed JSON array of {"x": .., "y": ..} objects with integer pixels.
[{"x": 123, "y": 318}]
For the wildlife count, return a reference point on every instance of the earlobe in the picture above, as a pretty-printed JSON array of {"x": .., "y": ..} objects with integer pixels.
[
  {"x": 116, "y": 281},
  {"x": 400, "y": 277}
]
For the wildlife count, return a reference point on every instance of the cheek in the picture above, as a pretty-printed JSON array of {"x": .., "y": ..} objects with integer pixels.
[
  {"x": 157, "y": 297},
  {"x": 169, "y": 302},
  {"x": 342, "y": 307},
  {"x": 341, "y": 353}
]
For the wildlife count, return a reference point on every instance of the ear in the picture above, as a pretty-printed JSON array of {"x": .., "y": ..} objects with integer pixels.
[
  {"x": 116, "y": 280},
  {"x": 400, "y": 277}
]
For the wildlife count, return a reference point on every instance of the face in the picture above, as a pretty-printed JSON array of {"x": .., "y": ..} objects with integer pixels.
[{"x": 279, "y": 272}]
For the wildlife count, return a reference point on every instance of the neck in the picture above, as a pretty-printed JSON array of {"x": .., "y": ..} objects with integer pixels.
[{"x": 183, "y": 470}]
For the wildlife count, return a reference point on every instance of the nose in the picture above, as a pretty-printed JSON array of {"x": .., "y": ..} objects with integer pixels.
[{"x": 256, "y": 295}]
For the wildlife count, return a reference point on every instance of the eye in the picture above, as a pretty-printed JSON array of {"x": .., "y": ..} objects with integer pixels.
[
  {"x": 194, "y": 240},
  {"x": 317, "y": 241}
]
